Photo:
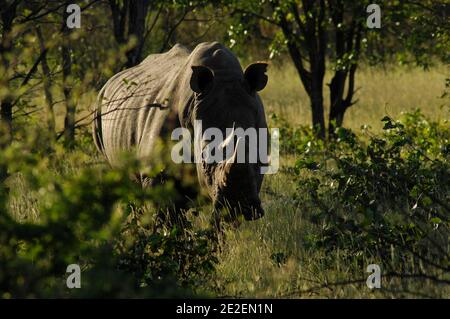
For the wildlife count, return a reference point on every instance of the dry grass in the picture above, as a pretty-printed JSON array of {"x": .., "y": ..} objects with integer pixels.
[
  {"x": 381, "y": 92},
  {"x": 247, "y": 266}
]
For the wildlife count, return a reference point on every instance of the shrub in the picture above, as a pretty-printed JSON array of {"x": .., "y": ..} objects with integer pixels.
[
  {"x": 82, "y": 220},
  {"x": 300, "y": 139},
  {"x": 383, "y": 199}
]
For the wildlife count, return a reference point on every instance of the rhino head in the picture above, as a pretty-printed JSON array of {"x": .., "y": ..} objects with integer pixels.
[{"x": 227, "y": 101}]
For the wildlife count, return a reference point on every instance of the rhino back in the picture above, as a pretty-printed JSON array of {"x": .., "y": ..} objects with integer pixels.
[
  {"x": 128, "y": 115},
  {"x": 133, "y": 106}
]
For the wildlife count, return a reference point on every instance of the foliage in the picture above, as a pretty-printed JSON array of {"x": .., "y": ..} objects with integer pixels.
[
  {"x": 180, "y": 253},
  {"x": 422, "y": 29},
  {"x": 381, "y": 198},
  {"x": 81, "y": 221},
  {"x": 299, "y": 139},
  {"x": 386, "y": 197}
]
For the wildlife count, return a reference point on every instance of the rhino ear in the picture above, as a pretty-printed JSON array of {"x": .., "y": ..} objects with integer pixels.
[
  {"x": 255, "y": 75},
  {"x": 202, "y": 78}
]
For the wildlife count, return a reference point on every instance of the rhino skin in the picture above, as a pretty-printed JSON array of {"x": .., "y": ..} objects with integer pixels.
[{"x": 140, "y": 104}]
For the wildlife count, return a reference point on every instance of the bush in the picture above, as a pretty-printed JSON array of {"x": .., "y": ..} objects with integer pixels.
[
  {"x": 82, "y": 220},
  {"x": 384, "y": 198},
  {"x": 179, "y": 253},
  {"x": 300, "y": 139}
]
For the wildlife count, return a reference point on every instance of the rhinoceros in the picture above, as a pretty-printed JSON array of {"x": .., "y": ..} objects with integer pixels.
[{"x": 176, "y": 89}]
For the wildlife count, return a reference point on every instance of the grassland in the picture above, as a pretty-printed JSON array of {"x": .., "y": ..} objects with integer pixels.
[
  {"x": 248, "y": 264},
  {"x": 381, "y": 91},
  {"x": 268, "y": 257}
]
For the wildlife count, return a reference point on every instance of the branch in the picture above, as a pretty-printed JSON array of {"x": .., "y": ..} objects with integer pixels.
[
  {"x": 31, "y": 16},
  {"x": 174, "y": 27},
  {"x": 363, "y": 280},
  {"x": 34, "y": 67},
  {"x": 256, "y": 15},
  {"x": 351, "y": 80},
  {"x": 34, "y": 15},
  {"x": 153, "y": 24},
  {"x": 196, "y": 40},
  {"x": 27, "y": 113},
  {"x": 294, "y": 50},
  {"x": 299, "y": 22}
]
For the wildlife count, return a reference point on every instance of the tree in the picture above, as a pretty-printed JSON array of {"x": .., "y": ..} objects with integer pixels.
[
  {"x": 134, "y": 21},
  {"x": 16, "y": 19},
  {"x": 129, "y": 17},
  {"x": 46, "y": 75},
  {"x": 314, "y": 31},
  {"x": 66, "y": 62},
  {"x": 306, "y": 32},
  {"x": 8, "y": 13},
  {"x": 319, "y": 33},
  {"x": 420, "y": 28},
  {"x": 347, "y": 30}
]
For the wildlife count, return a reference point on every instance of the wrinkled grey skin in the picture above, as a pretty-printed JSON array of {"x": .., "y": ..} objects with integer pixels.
[{"x": 165, "y": 91}]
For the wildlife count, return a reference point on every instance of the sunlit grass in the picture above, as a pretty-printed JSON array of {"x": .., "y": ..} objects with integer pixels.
[
  {"x": 381, "y": 91},
  {"x": 248, "y": 266},
  {"x": 268, "y": 257}
]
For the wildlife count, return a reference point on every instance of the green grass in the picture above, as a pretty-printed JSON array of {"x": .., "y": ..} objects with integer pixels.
[
  {"x": 246, "y": 267},
  {"x": 268, "y": 257}
]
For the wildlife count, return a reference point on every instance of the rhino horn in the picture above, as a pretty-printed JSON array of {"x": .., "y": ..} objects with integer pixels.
[
  {"x": 227, "y": 141},
  {"x": 232, "y": 160}
]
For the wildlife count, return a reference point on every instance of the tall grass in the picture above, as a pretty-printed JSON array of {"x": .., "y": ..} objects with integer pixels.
[
  {"x": 269, "y": 257},
  {"x": 381, "y": 91}
]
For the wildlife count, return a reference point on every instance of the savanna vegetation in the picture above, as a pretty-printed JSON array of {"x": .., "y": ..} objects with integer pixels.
[{"x": 370, "y": 187}]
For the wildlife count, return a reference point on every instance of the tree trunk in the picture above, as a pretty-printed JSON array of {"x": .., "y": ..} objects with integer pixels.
[
  {"x": 8, "y": 13},
  {"x": 69, "y": 120},
  {"x": 337, "y": 104},
  {"x": 129, "y": 21},
  {"x": 317, "y": 62},
  {"x": 6, "y": 122},
  {"x": 136, "y": 28},
  {"x": 317, "y": 112},
  {"x": 314, "y": 43},
  {"x": 50, "y": 115},
  {"x": 6, "y": 136},
  {"x": 347, "y": 42}
]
